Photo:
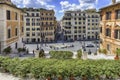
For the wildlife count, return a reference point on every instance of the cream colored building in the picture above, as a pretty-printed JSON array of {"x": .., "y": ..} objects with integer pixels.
[
  {"x": 80, "y": 25},
  {"x": 92, "y": 24},
  {"x": 11, "y": 25},
  {"x": 40, "y": 25}
]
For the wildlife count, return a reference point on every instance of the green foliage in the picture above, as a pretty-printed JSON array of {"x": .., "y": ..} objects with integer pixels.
[
  {"x": 7, "y": 50},
  {"x": 79, "y": 54},
  {"x": 61, "y": 54},
  {"x": 42, "y": 68},
  {"x": 41, "y": 53},
  {"x": 103, "y": 51},
  {"x": 118, "y": 51},
  {"x": 21, "y": 50}
]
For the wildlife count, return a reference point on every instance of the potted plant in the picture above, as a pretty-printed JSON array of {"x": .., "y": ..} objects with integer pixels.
[
  {"x": 19, "y": 50},
  {"x": 117, "y": 54},
  {"x": 41, "y": 53},
  {"x": 104, "y": 51},
  {"x": 7, "y": 50},
  {"x": 79, "y": 54}
]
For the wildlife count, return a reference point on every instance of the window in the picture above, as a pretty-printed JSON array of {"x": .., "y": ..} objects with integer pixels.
[
  {"x": 108, "y": 15},
  {"x": 38, "y": 29},
  {"x": 75, "y": 22},
  {"x": 9, "y": 33},
  {"x": 33, "y": 14},
  {"x": 8, "y": 15},
  {"x": 117, "y": 14},
  {"x": 33, "y": 29},
  {"x": 101, "y": 17},
  {"x": 101, "y": 29},
  {"x": 83, "y": 31},
  {"x": 37, "y": 14},
  {"x": 16, "y": 16},
  {"x": 27, "y": 14},
  {"x": 22, "y": 17},
  {"x": 75, "y": 27},
  {"x": 33, "y": 34},
  {"x": 108, "y": 32},
  {"x": 27, "y": 34},
  {"x": 16, "y": 31},
  {"x": 27, "y": 24},
  {"x": 117, "y": 34},
  {"x": 108, "y": 47},
  {"x": 79, "y": 22},
  {"x": 83, "y": 27},
  {"x": 96, "y": 20},
  {"x": 75, "y": 14},
  {"x": 27, "y": 20},
  {"x": 22, "y": 29},
  {"x": 27, "y": 29}
]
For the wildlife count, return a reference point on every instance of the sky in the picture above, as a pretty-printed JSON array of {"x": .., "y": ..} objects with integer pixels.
[{"x": 60, "y": 6}]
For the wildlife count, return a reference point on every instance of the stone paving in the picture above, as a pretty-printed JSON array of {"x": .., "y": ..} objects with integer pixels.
[{"x": 60, "y": 46}]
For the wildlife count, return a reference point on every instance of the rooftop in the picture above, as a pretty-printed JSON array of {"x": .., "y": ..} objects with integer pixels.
[{"x": 110, "y": 5}]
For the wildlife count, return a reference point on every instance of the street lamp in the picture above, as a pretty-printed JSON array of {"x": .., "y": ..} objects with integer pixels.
[
  {"x": 96, "y": 42},
  {"x": 42, "y": 37},
  {"x": 63, "y": 36},
  {"x": 84, "y": 49},
  {"x": 0, "y": 47}
]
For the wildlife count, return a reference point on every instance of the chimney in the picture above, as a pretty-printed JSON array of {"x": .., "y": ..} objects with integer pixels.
[{"x": 113, "y": 1}]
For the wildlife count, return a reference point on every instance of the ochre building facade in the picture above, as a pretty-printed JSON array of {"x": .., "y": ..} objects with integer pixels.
[
  {"x": 11, "y": 25},
  {"x": 110, "y": 27}
]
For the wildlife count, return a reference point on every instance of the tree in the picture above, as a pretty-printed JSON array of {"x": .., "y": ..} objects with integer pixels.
[
  {"x": 41, "y": 53},
  {"x": 7, "y": 50},
  {"x": 79, "y": 53}
]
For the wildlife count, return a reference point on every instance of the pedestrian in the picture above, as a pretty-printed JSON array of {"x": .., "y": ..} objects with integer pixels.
[
  {"x": 33, "y": 52},
  {"x": 27, "y": 50}
]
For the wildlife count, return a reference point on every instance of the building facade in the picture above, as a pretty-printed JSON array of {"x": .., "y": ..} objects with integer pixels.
[
  {"x": 92, "y": 24},
  {"x": 80, "y": 25},
  {"x": 11, "y": 25},
  {"x": 110, "y": 27},
  {"x": 40, "y": 25}
]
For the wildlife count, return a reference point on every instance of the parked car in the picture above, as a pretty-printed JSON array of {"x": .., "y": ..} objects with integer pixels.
[{"x": 90, "y": 45}]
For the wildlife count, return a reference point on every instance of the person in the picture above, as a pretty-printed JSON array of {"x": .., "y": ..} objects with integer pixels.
[
  {"x": 27, "y": 50},
  {"x": 89, "y": 51},
  {"x": 33, "y": 53}
]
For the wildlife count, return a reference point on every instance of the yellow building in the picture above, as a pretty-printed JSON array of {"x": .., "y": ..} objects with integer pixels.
[
  {"x": 48, "y": 25},
  {"x": 11, "y": 25},
  {"x": 40, "y": 25},
  {"x": 110, "y": 27}
]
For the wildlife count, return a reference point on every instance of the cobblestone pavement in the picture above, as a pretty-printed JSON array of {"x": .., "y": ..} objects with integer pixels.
[{"x": 77, "y": 45}]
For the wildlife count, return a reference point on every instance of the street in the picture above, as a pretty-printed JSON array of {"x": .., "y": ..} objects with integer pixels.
[{"x": 71, "y": 46}]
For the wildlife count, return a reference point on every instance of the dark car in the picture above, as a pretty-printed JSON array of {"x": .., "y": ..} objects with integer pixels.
[{"x": 90, "y": 45}]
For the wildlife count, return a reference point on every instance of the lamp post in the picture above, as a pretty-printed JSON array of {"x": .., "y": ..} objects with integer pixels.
[
  {"x": 84, "y": 49},
  {"x": 42, "y": 40},
  {"x": 63, "y": 36},
  {"x": 96, "y": 42},
  {"x": 0, "y": 47}
]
